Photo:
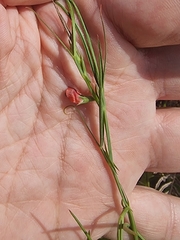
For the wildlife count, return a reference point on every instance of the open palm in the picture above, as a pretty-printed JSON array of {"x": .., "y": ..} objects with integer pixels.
[{"x": 49, "y": 163}]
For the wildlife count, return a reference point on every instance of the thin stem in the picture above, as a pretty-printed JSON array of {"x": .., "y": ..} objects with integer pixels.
[
  {"x": 61, "y": 17},
  {"x": 81, "y": 226},
  {"x": 99, "y": 73},
  {"x": 56, "y": 36},
  {"x": 97, "y": 65},
  {"x": 88, "y": 40}
]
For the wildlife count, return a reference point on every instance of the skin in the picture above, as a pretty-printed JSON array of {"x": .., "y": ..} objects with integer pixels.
[{"x": 49, "y": 163}]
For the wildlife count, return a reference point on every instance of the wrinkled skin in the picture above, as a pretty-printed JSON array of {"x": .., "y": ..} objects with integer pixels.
[{"x": 49, "y": 164}]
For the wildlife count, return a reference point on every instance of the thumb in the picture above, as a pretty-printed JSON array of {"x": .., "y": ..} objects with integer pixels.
[{"x": 157, "y": 215}]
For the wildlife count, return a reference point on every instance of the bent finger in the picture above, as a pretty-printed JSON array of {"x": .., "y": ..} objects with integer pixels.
[
  {"x": 146, "y": 23},
  {"x": 161, "y": 65},
  {"x": 23, "y": 2},
  {"x": 165, "y": 141},
  {"x": 157, "y": 215}
]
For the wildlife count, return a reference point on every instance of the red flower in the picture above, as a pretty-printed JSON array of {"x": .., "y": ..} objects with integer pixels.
[
  {"x": 76, "y": 97},
  {"x": 73, "y": 95}
]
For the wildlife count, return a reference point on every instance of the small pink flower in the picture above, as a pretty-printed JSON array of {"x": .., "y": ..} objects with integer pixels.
[
  {"x": 76, "y": 97},
  {"x": 73, "y": 95}
]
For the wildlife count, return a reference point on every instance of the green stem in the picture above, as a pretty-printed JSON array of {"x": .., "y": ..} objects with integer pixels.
[{"x": 97, "y": 64}]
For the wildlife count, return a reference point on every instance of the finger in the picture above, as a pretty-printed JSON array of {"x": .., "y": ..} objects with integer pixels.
[
  {"x": 161, "y": 65},
  {"x": 165, "y": 142},
  {"x": 22, "y": 2},
  {"x": 157, "y": 215},
  {"x": 146, "y": 23},
  {"x": 6, "y": 39}
]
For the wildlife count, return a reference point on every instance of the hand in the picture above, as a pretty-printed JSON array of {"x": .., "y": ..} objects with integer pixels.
[{"x": 49, "y": 163}]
